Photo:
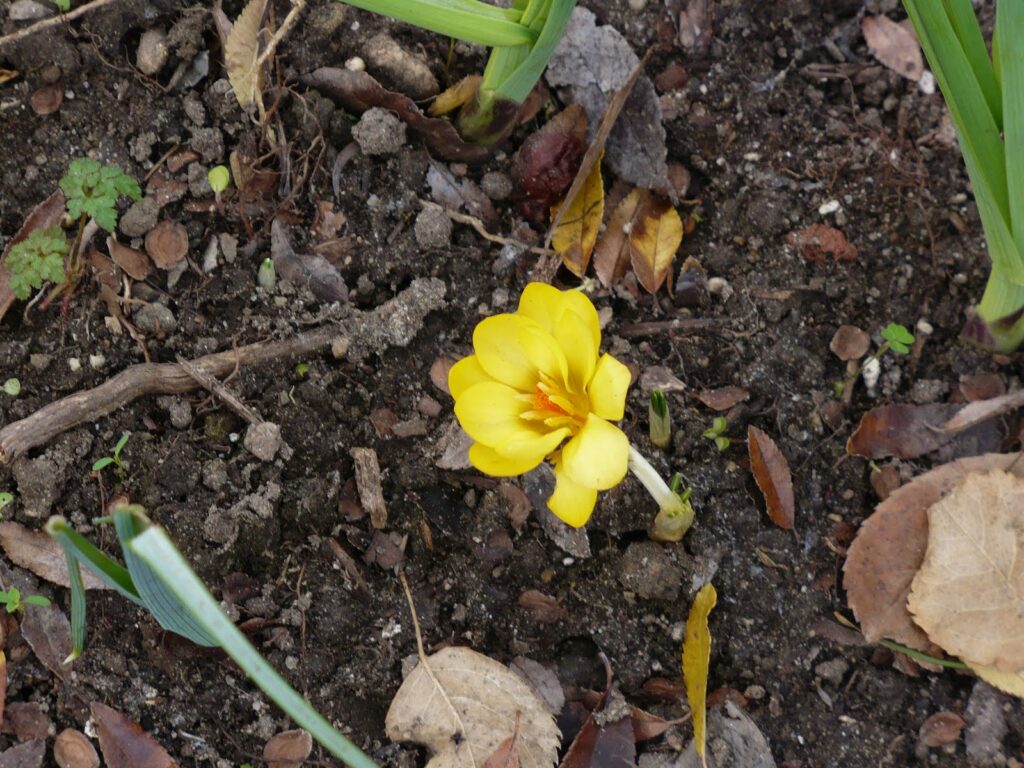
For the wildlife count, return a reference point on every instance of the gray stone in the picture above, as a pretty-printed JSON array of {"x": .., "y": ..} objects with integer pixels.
[
  {"x": 180, "y": 413},
  {"x": 209, "y": 143},
  {"x": 215, "y": 474},
  {"x": 379, "y": 132},
  {"x": 39, "y": 484},
  {"x": 140, "y": 218},
  {"x": 647, "y": 570},
  {"x": 263, "y": 440},
  {"x": 155, "y": 319},
  {"x": 28, "y": 10},
  {"x": 496, "y": 185},
  {"x": 433, "y": 228}
]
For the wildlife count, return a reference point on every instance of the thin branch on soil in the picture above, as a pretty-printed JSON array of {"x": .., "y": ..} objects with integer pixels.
[
  {"x": 686, "y": 325},
  {"x": 394, "y": 323},
  {"x": 39, "y": 26},
  {"x": 217, "y": 389},
  {"x": 481, "y": 230}
]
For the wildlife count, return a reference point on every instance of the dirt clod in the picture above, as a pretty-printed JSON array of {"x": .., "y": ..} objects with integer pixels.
[
  {"x": 433, "y": 228},
  {"x": 153, "y": 52},
  {"x": 263, "y": 440},
  {"x": 647, "y": 570},
  {"x": 379, "y": 132}
]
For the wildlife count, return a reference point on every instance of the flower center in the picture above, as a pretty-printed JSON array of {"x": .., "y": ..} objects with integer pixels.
[
  {"x": 541, "y": 402},
  {"x": 555, "y": 407}
]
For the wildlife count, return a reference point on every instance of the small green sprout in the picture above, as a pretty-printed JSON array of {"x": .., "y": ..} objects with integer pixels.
[
  {"x": 92, "y": 190},
  {"x": 302, "y": 370},
  {"x": 5, "y": 498},
  {"x": 267, "y": 275},
  {"x": 716, "y": 432},
  {"x": 11, "y": 599},
  {"x": 36, "y": 260},
  {"x": 660, "y": 420},
  {"x": 63, "y": 5},
  {"x": 897, "y": 338},
  {"x": 115, "y": 459},
  {"x": 12, "y": 387},
  {"x": 218, "y": 178}
]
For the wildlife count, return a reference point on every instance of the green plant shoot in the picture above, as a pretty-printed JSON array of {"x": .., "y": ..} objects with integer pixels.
[
  {"x": 897, "y": 338},
  {"x": 12, "y": 600},
  {"x": 12, "y": 387},
  {"x": 985, "y": 95},
  {"x": 717, "y": 431},
  {"x": 37, "y": 260},
  {"x": 115, "y": 458},
  {"x": 63, "y": 5},
  {"x": 523, "y": 37},
  {"x": 660, "y": 420},
  {"x": 218, "y": 177},
  {"x": 6, "y": 497},
  {"x": 92, "y": 190}
]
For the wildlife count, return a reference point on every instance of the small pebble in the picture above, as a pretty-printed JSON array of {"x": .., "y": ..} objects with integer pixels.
[
  {"x": 263, "y": 440},
  {"x": 496, "y": 185},
  {"x": 180, "y": 413},
  {"x": 379, "y": 132},
  {"x": 830, "y": 207},
  {"x": 155, "y": 319},
  {"x": 28, "y": 10},
  {"x": 74, "y": 364},
  {"x": 433, "y": 228},
  {"x": 355, "y": 64},
  {"x": 152, "y": 53},
  {"x": 97, "y": 361}
]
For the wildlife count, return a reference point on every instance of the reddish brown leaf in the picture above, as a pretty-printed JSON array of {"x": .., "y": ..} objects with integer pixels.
[
  {"x": 664, "y": 689},
  {"x": 884, "y": 481},
  {"x": 39, "y": 553},
  {"x": 358, "y": 91},
  {"x": 48, "y": 633},
  {"x": 507, "y": 753},
  {"x": 982, "y": 386},
  {"x": 167, "y": 244},
  {"x": 47, "y": 214},
  {"x": 135, "y": 263},
  {"x": 723, "y": 398},
  {"x": 72, "y": 749},
  {"x": 941, "y": 728},
  {"x": 819, "y": 242},
  {"x": 288, "y": 749},
  {"x": 849, "y": 343},
  {"x": 124, "y": 744},
  {"x": 771, "y": 472},
  {"x": 602, "y": 746},
  {"x": 901, "y": 430},
  {"x": 546, "y": 609},
  {"x": 548, "y": 160},
  {"x": 647, "y": 726},
  {"x": 518, "y": 504},
  {"x": 890, "y": 547}
]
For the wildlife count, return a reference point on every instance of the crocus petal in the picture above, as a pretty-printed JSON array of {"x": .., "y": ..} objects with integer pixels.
[
  {"x": 490, "y": 462},
  {"x": 464, "y": 374},
  {"x": 500, "y": 352},
  {"x": 597, "y": 457},
  {"x": 544, "y": 352},
  {"x": 545, "y": 304},
  {"x": 571, "y": 502},
  {"x": 533, "y": 446},
  {"x": 491, "y": 413},
  {"x": 608, "y": 388},
  {"x": 573, "y": 336}
]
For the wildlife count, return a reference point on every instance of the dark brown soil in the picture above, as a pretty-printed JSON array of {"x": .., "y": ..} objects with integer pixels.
[{"x": 771, "y": 127}]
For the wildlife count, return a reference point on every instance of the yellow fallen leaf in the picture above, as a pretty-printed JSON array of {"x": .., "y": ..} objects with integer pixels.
[
  {"x": 1011, "y": 682},
  {"x": 576, "y": 235},
  {"x": 656, "y": 234},
  {"x": 7, "y": 74},
  {"x": 612, "y": 254},
  {"x": 242, "y": 49},
  {"x": 696, "y": 659},
  {"x": 455, "y": 96},
  {"x": 968, "y": 594}
]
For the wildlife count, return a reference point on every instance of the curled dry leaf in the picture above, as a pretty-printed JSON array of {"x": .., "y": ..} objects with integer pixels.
[
  {"x": 968, "y": 595},
  {"x": 660, "y": 377},
  {"x": 462, "y": 705},
  {"x": 723, "y": 398},
  {"x": 771, "y": 472},
  {"x": 72, "y": 749},
  {"x": 135, "y": 263},
  {"x": 545, "y": 165},
  {"x": 901, "y": 430},
  {"x": 982, "y": 410},
  {"x": 288, "y": 749},
  {"x": 941, "y": 728},
  {"x": 42, "y": 555},
  {"x": 612, "y": 256},
  {"x": 358, "y": 91},
  {"x": 241, "y": 51},
  {"x": 653, "y": 241},
  {"x": 124, "y": 744},
  {"x": 850, "y": 343},
  {"x": 697, "y": 659},
  {"x": 167, "y": 244},
  {"x": 603, "y": 745},
  {"x": 308, "y": 270},
  {"x": 819, "y": 242},
  {"x": 894, "y": 45},
  {"x": 545, "y": 609},
  {"x": 576, "y": 233},
  {"x": 890, "y": 547}
]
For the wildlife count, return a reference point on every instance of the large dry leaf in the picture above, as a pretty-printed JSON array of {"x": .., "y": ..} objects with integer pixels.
[
  {"x": 611, "y": 745},
  {"x": 576, "y": 233},
  {"x": 242, "y": 49},
  {"x": 612, "y": 255},
  {"x": 890, "y": 547},
  {"x": 42, "y": 555},
  {"x": 462, "y": 705},
  {"x": 894, "y": 45},
  {"x": 773, "y": 477},
  {"x": 656, "y": 234},
  {"x": 901, "y": 430},
  {"x": 696, "y": 659},
  {"x": 1011, "y": 682},
  {"x": 124, "y": 744},
  {"x": 968, "y": 595},
  {"x": 48, "y": 632}
]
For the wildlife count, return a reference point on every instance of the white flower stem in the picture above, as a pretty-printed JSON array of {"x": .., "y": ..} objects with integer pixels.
[{"x": 675, "y": 516}]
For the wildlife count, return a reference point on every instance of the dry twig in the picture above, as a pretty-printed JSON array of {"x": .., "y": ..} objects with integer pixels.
[{"x": 53, "y": 21}]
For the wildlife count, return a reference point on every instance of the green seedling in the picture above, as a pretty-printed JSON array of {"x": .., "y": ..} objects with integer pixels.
[
  {"x": 523, "y": 38},
  {"x": 12, "y": 600},
  {"x": 102, "y": 463},
  {"x": 37, "y": 260},
  {"x": 660, "y": 420},
  {"x": 157, "y": 577},
  {"x": 716, "y": 432},
  {"x": 985, "y": 95},
  {"x": 92, "y": 190},
  {"x": 674, "y": 520},
  {"x": 267, "y": 275},
  {"x": 63, "y": 5},
  {"x": 897, "y": 339},
  {"x": 5, "y": 499},
  {"x": 302, "y": 370},
  {"x": 12, "y": 387},
  {"x": 218, "y": 177}
]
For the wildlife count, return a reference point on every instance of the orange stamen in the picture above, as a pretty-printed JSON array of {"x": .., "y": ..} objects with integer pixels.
[{"x": 541, "y": 402}]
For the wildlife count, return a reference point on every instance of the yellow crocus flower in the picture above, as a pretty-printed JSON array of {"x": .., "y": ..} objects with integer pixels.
[{"x": 538, "y": 388}]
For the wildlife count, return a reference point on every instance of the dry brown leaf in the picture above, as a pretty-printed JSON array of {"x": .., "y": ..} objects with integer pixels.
[
  {"x": 656, "y": 234},
  {"x": 602, "y": 746},
  {"x": 131, "y": 261},
  {"x": 42, "y": 555},
  {"x": 288, "y": 749},
  {"x": 507, "y": 753},
  {"x": 242, "y": 49},
  {"x": 545, "y": 609},
  {"x": 167, "y": 244},
  {"x": 894, "y": 45},
  {"x": 982, "y": 410},
  {"x": 723, "y": 398},
  {"x": 576, "y": 234},
  {"x": 368, "y": 485},
  {"x": 820, "y": 241},
  {"x": 612, "y": 254},
  {"x": 901, "y": 430},
  {"x": 72, "y": 749},
  {"x": 981, "y": 386},
  {"x": 968, "y": 595},
  {"x": 545, "y": 165},
  {"x": 462, "y": 705},
  {"x": 771, "y": 472},
  {"x": 941, "y": 728},
  {"x": 890, "y": 547},
  {"x": 455, "y": 96},
  {"x": 48, "y": 632},
  {"x": 124, "y": 744},
  {"x": 308, "y": 270}
]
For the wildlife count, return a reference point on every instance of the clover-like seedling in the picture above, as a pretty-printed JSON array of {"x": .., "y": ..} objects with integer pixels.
[
  {"x": 5, "y": 498},
  {"x": 897, "y": 338},
  {"x": 63, "y": 5},
  {"x": 92, "y": 190},
  {"x": 218, "y": 178},
  {"x": 115, "y": 459},
  {"x": 12, "y": 600},
  {"x": 716, "y": 432},
  {"x": 12, "y": 387},
  {"x": 36, "y": 260}
]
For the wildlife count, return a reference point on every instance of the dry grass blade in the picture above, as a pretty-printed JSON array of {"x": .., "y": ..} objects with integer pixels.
[
  {"x": 242, "y": 52},
  {"x": 982, "y": 410}
]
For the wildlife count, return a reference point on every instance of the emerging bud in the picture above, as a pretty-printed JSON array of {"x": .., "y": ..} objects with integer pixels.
[{"x": 660, "y": 420}]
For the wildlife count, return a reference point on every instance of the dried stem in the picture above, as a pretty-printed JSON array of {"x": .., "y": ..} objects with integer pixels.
[{"x": 39, "y": 26}]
